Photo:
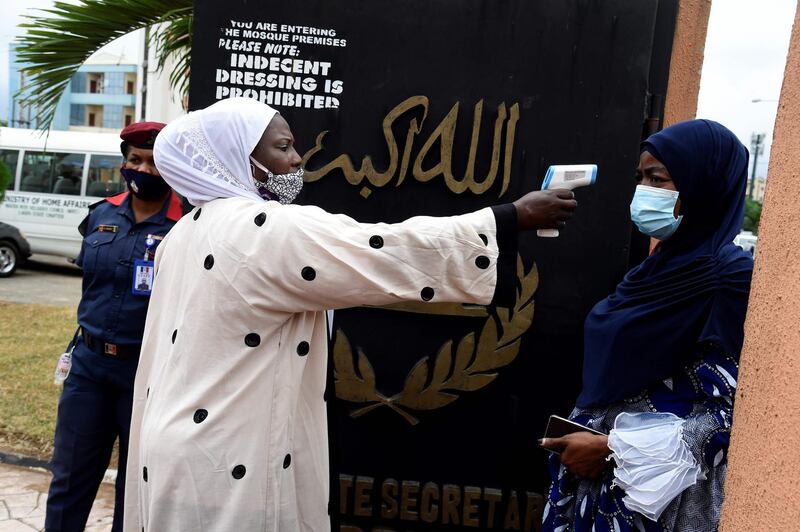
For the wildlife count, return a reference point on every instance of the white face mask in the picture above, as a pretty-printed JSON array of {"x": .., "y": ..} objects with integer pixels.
[{"x": 284, "y": 187}]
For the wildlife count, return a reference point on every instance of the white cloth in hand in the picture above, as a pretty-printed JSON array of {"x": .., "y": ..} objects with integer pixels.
[{"x": 654, "y": 464}]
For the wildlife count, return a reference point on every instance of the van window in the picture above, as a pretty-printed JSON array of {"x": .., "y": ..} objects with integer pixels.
[
  {"x": 9, "y": 158},
  {"x": 55, "y": 173},
  {"x": 104, "y": 177}
]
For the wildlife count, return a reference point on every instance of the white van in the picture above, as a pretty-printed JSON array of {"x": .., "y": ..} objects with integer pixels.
[{"x": 56, "y": 177}]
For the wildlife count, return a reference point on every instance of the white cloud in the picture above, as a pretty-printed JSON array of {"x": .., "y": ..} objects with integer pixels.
[{"x": 745, "y": 56}]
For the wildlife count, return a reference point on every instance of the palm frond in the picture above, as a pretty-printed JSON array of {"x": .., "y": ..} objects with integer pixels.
[
  {"x": 174, "y": 40},
  {"x": 57, "y": 41}
]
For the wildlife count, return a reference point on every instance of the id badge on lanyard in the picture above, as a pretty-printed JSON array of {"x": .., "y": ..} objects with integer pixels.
[{"x": 144, "y": 270}]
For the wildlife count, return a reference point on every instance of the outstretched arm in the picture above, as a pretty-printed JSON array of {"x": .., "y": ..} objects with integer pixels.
[{"x": 302, "y": 258}]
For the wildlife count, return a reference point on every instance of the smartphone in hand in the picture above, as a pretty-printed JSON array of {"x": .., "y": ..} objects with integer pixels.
[{"x": 558, "y": 426}]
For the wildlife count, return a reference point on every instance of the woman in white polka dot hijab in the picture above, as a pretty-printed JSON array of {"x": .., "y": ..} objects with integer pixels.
[{"x": 229, "y": 422}]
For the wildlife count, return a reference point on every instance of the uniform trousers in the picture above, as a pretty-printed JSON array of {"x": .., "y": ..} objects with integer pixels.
[{"x": 94, "y": 409}]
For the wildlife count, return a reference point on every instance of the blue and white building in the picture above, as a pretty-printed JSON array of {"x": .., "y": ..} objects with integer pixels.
[{"x": 102, "y": 96}]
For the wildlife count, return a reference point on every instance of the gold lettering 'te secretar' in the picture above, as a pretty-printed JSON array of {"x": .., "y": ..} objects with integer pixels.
[{"x": 411, "y": 501}]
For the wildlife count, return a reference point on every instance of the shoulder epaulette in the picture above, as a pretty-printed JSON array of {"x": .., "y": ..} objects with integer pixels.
[{"x": 113, "y": 200}]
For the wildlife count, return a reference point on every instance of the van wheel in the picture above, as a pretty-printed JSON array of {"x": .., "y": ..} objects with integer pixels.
[{"x": 9, "y": 259}]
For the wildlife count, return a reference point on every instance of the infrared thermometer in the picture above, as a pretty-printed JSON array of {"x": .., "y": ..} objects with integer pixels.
[{"x": 570, "y": 177}]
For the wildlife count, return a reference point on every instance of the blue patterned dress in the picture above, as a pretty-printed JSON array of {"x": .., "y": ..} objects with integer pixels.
[{"x": 702, "y": 394}]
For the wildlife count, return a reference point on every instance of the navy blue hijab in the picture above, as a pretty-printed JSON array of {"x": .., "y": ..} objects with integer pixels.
[{"x": 692, "y": 293}]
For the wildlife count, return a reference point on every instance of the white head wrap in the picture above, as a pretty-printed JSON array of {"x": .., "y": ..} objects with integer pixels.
[{"x": 205, "y": 154}]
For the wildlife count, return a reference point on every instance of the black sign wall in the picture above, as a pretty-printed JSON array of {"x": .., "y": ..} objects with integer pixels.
[{"x": 441, "y": 107}]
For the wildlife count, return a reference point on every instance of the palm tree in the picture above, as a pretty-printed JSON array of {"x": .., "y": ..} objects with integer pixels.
[{"x": 58, "y": 41}]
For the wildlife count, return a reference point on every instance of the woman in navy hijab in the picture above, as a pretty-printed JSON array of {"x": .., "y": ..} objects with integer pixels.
[{"x": 661, "y": 353}]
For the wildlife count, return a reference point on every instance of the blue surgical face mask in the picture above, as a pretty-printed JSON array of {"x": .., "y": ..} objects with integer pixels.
[{"x": 652, "y": 210}]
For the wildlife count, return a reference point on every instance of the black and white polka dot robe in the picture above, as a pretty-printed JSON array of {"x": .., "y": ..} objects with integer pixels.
[{"x": 229, "y": 423}]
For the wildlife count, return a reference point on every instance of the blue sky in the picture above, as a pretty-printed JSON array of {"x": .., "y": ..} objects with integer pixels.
[{"x": 745, "y": 56}]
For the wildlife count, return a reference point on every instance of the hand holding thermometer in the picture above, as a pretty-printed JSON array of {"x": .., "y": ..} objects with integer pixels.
[{"x": 567, "y": 176}]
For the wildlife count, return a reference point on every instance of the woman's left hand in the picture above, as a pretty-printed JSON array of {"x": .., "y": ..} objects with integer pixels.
[{"x": 582, "y": 453}]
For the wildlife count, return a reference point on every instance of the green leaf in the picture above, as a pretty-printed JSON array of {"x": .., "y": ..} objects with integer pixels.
[
  {"x": 6, "y": 177},
  {"x": 57, "y": 41},
  {"x": 752, "y": 216}
]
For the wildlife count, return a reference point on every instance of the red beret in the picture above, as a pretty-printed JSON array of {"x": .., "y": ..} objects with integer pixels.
[{"x": 142, "y": 134}]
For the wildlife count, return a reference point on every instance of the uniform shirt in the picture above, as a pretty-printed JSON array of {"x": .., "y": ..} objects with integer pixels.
[
  {"x": 113, "y": 240},
  {"x": 229, "y": 428}
]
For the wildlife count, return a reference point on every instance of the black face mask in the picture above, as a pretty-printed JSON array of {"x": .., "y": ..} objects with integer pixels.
[{"x": 145, "y": 186}]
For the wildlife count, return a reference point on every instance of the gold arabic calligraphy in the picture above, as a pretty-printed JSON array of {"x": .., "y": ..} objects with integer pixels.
[{"x": 445, "y": 135}]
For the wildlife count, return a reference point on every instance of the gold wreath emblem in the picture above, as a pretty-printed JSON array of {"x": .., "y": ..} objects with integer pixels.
[{"x": 470, "y": 368}]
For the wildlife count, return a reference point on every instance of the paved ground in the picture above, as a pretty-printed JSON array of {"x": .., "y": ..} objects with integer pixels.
[
  {"x": 23, "y": 491},
  {"x": 44, "y": 280},
  {"x": 23, "y": 496}
]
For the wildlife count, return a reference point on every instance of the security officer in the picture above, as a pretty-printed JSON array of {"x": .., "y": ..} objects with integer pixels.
[{"x": 121, "y": 234}]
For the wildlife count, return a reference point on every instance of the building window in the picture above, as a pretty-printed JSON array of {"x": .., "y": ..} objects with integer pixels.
[
  {"x": 112, "y": 116},
  {"x": 113, "y": 83},
  {"x": 91, "y": 119},
  {"x": 128, "y": 120},
  {"x": 78, "y": 83},
  {"x": 129, "y": 89},
  {"x": 77, "y": 114}
]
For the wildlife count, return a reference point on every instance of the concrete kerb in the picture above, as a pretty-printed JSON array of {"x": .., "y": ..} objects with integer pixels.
[{"x": 44, "y": 465}]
